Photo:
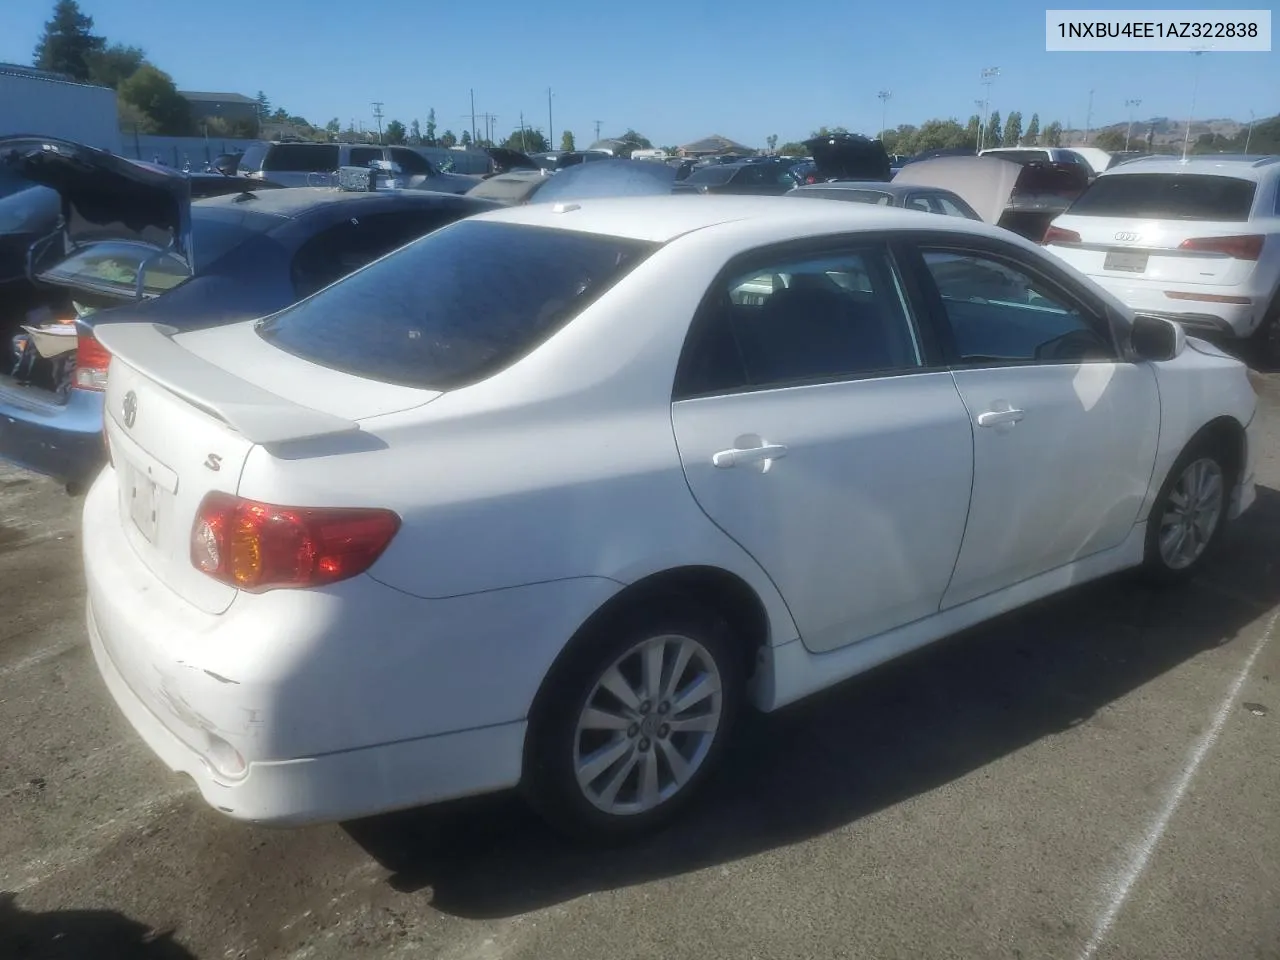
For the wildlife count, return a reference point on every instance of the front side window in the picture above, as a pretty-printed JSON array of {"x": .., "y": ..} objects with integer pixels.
[
  {"x": 998, "y": 313},
  {"x": 828, "y": 317},
  {"x": 457, "y": 306},
  {"x": 411, "y": 162}
]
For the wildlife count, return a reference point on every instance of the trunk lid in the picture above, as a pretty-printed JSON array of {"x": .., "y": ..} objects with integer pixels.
[
  {"x": 847, "y": 156},
  {"x": 1134, "y": 226},
  {"x": 180, "y": 426}
]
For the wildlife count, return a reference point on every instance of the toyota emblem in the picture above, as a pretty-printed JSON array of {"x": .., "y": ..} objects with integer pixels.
[
  {"x": 1127, "y": 237},
  {"x": 130, "y": 408}
]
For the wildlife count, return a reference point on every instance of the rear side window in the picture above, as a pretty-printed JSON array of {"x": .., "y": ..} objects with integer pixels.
[
  {"x": 1163, "y": 196},
  {"x": 300, "y": 158},
  {"x": 251, "y": 161},
  {"x": 712, "y": 175},
  {"x": 363, "y": 156},
  {"x": 410, "y": 161},
  {"x": 457, "y": 306}
]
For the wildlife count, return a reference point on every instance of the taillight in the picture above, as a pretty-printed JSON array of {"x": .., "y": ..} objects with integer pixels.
[
  {"x": 92, "y": 360},
  {"x": 1242, "y": 248},
  {"x": 260, "y": 546},
  {"x": 1059, "y": 235}
]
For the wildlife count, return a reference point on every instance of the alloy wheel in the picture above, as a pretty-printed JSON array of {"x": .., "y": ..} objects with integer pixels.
[
  {"x": 648, "y": 725},
  {"x": 1191, "y": 514}
]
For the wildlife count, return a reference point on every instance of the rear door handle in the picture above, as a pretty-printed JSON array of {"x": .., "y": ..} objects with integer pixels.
[
  {"x": 739, "y": 455},
  {"x": 994, "y": 418}
]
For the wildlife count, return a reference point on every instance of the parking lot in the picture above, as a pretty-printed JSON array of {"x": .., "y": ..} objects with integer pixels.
[{"x": 1095, "y": 776}]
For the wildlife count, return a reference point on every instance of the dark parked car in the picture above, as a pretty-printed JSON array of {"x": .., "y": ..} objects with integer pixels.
[
  {"x": 134, "y": 246},
  {"x": 744, "y": 177},
  {"x": 907, "y": 196}
]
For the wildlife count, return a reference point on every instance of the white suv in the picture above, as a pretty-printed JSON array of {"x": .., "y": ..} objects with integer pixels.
[{"x": 1196, "y": 241}]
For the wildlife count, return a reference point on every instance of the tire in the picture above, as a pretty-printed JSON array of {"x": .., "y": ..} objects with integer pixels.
[
  {"x": 1164, "y": 564},
  {"x": 588, "y": 781}
]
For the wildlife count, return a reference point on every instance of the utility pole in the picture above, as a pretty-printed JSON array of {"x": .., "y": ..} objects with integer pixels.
[
  {"x": 988, "y": 77},
  {"x": 524, "y": 144},
  {"x": 1248, "y": 136},
  {"x": 377, "y": 115},
  {"x": 551, "y": 128},
  {"x": 490, "y": 126},
  {"x": 982, "y": 127},
  {"x": 1195, "y": 84},
  {"x": 599, "y": 123},
  {"x": 473, "y": 116},
  {"x": 884, "y": 96},
  {"x": 1132, "y": 105},
  {"x": 1088, "y": 119}
]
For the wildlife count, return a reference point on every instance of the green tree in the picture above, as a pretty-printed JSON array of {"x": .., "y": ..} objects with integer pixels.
[
  {"x": 264, "y": 106},
  {"x": 333, "y": 128},
  {"x": 528, "y": 140},
  {"x": 972, "y": 132},
  {"x": 772, "y": 141},
  {"x": 825, "y": 131},
  {"x": 938, "y": 135},
  {"x": 1053, "y": 134},
  {"x": 395, "y": 133},
  {"x": 68, "y": 43},
  {"x": 465, "y": 139},
  {"x": 1109, "y": 140},
  {"x": 447, "y": 139},
  {"x": 792, "y": 149},
  {"x": 115, "y": 64},
  {"x": 900, "y": 140},
  {"x": 567, "y": 142},
  {"x": 1013, "y": 130},
  {"x": 1033, "y": 131},
  {"x": 151, "y": 90},
  {"x": 992, "y": 139},
  {"x": 430, "y": 136},
  {"x": 636, "y": 141},
  {"x": 415, "y": 132}
]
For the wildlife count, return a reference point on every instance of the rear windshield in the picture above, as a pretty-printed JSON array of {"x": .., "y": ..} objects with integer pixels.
[
  {"x": 1164, "y": 196},
  {"x": 1021, "y": 156},
  {"x": 456, "y": 306},
  {"x": 837, "y": 193},
  {"x": 302, "y": 158},
  {"x": 217, "y": 230}
]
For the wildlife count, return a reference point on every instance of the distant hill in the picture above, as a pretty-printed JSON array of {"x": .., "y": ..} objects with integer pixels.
[{"x": 1167, "y": 130}]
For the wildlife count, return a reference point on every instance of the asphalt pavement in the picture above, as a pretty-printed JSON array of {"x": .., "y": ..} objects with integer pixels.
[{"x": 1096, "y": 776}]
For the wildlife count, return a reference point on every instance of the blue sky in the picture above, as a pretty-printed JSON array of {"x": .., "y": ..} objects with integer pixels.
[{"x": 673, "y": 71}]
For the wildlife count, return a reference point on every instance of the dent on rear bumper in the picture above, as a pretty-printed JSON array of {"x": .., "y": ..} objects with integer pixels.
[
  {"x": 343, "y": 701},
  {"x": 63, "y": 441}
]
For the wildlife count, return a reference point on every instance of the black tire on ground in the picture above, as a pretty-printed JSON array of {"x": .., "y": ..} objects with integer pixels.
[
  {"x": 550, "y": 782},
  {"x": 1155, "y": 567}
]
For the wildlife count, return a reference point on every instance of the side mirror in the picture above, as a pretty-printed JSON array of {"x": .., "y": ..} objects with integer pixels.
[{"x": 1155, "y": 338}]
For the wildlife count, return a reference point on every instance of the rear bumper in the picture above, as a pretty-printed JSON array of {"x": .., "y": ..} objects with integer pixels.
[
  {"x": 63, "y": 441},
  {"x": 1235, "y": 320},
  {"x": 298, "y": 706}
]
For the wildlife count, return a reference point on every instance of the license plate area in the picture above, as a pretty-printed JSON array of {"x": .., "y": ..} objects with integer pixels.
[
  {"x": 142, "y": 501},
  {"x": 1125, "y": 261}
]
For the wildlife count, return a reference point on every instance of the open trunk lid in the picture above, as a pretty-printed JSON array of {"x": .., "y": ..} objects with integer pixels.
[
  {"x": 847, "y": 156},
  {"x": 180, "y": 426}
]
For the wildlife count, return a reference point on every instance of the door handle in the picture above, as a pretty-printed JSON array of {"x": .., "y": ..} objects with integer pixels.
[
  {"x": 740, "y": 455},
  {"x": 994, "y": 418}
]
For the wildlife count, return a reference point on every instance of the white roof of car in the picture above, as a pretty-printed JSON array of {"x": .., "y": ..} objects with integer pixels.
[
  {"x": 663, "y": 218},
  {"x": 1243, "y": 168}
]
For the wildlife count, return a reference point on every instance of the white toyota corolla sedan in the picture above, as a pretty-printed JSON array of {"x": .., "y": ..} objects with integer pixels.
[{"x": 546, "y": 497}]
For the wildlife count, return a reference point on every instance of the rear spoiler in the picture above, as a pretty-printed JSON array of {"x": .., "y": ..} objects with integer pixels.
[{"x": 256, "y": 414}]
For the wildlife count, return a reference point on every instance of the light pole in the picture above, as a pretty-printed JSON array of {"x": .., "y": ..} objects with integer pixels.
[
  {"x": 1195, "y": 82},
  {"x": 551, "y": 127},
  {"x": 1131, "y": 105},
  {"x": 989, "y": 75},
  {"x": 884, "y": 96},
  {"x": 1248, "y": 136},
  {"x": 982, "y": 129},
  {"x": 1088, "y": 119}
]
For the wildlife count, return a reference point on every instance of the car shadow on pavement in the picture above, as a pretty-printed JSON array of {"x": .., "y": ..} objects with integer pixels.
[
  {"x": 81, "y": 935},
  {"x": 898, "y": 731}
]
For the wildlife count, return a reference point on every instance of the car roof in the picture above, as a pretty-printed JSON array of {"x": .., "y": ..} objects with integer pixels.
[
  {"x": 294, "y": 201},
  {"x": 876, "y": 186},
  {"x": 1254, "y": 168},
  {"x": 663, "y": 218}
]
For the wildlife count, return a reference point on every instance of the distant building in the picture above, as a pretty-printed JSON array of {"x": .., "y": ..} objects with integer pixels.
[
  {"x": 716, "y": 146},
  {"x": 230, "y": 107},
  {"x": 44, "y": 103}
]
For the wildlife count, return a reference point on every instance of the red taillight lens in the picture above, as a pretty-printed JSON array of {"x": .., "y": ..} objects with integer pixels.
[
  {"x": 92, "y": 360},
  {"x": 260, "y": 546},
  {"x": 1242, "y": 248},
  {"x": 1059, "y": 235}
]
